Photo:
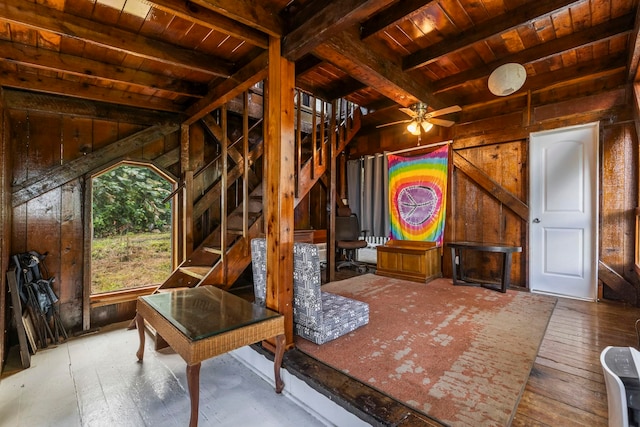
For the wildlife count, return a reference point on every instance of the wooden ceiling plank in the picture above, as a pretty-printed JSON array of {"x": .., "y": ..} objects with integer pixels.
[
  {"x": 349, "y": 53},
  {"x": 248, "y": 12},
  {"x": 390, "y": 16},
  {"x": 249, "y": 75},
  {"x": 51, "y": 85},
  {"x": 212, "y": 20},
  {"x": 334, "y": 17},
  {"x": 71, "y": 170},
  {"x": 46, "y": 19},
  {"x": 497, "y": 25},
  {"x": 590, "y": 36},
  {"x": 58, "y": 62}
]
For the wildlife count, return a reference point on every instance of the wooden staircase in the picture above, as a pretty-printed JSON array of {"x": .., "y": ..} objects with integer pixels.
[{"x": 212, "y": 264}]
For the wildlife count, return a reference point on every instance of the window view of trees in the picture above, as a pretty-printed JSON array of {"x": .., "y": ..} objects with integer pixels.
[{"x": 131, "y": 244}]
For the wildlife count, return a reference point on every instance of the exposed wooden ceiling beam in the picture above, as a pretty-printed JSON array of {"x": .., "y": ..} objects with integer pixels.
[
  {"x": 209, "y": 19},
  {"x": 497, "y": 25},
  {"x": 50, "y": 60},
  {"x": 613, "y": 28},
  {"x": 75, "y": 107},
  {"x": 344, "y": 87},
  {"x": 249, "y": 13},
  {"x": 634, "y": 50},
  {"x": 52, "y": 85},
  {"x": 347, "y": 52},
  {"x": 334, "y": 17},
  {"x": 307, "y": 63},
  {"x": 249, "y": 75},
  {"x": 388, "y": 17},
  {"x": 43, "y": 18}
]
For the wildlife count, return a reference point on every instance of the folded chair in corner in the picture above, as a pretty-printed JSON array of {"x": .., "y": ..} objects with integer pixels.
[{"x": 318, "y": 316}]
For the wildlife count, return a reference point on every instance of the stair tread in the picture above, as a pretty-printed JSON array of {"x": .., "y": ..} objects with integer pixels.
[{"x": 196, "y": 271}]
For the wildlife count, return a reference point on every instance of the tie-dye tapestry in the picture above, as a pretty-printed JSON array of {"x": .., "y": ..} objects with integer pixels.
[{"x": 417, "y": 189}]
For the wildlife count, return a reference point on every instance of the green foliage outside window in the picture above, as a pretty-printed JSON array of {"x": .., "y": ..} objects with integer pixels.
[{"x": 127, "y": 200}]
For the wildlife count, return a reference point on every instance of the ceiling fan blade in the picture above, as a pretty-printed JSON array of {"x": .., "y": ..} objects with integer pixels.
[
  {"x": 408, "y": 111},
  {"x": 441, "y": 122},
  {"x": 443, "y": 111},
  {"x": 393, "y": 123}
]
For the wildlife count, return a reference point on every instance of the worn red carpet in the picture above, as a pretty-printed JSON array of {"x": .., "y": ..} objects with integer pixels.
[{"x": 457, "y": 353}]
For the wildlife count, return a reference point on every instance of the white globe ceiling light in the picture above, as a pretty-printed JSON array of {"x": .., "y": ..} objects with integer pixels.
[{"x": 507, "y": 79}]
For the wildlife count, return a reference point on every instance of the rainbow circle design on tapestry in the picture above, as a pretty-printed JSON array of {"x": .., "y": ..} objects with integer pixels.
[
  {"x": 417, "y": 189},
  {"x": 417, "y": 203}
]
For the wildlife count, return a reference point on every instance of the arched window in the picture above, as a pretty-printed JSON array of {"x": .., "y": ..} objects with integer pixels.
[{"x": 132, "y": 223}]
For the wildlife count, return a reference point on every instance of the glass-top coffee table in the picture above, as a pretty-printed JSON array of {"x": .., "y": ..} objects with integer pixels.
[{"x": 203, "y": 322}]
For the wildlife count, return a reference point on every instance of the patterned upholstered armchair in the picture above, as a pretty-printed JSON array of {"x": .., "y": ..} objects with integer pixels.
[{"x": 317, "y": 315}]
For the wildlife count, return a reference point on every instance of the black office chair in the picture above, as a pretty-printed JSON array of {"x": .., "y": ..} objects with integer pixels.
[{"x": 348, "y": 240}]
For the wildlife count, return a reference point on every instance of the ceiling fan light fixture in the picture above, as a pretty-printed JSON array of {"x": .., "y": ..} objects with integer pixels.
[
  {"x": 413, "y": 128},
  {"x": 507, "y": 79},
  {"x": 426, "y": 126}
]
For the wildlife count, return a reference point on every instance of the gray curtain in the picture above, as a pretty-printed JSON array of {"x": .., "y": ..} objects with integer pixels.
[
  {"x": 354, "y": 186},
  {"x": 368, "y": 184}
]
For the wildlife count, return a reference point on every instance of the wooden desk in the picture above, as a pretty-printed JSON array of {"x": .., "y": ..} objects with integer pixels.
[
  {"x": 458, "y": 268},
  {"x": 410, "y": 260},
  {"x": 203, "y": 322}
]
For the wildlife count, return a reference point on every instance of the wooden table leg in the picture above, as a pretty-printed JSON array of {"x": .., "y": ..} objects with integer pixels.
[
  {"x": 277, "y": 362},
  {"x": 193, "y": 383},
  {"x": 140, "y": 326}
]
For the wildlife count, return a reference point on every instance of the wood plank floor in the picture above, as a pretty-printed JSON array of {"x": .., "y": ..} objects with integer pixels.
[{"x": 566, "y": 385}]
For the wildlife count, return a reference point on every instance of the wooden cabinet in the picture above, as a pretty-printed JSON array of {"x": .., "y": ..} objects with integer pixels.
[{"x": 409, "y": 260}]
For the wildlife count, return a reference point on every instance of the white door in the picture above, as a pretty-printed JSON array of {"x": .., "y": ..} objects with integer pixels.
[{"x": 563, "y": 209}]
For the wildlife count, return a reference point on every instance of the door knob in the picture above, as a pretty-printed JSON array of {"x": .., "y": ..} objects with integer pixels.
[{"x": 536, "y": 220}]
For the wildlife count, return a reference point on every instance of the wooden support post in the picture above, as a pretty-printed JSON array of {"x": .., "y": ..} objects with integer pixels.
[
  {"x": 187, "y": 193},
  {"x": 279, "y": 184},
  {"x": 331, "y": 197}
]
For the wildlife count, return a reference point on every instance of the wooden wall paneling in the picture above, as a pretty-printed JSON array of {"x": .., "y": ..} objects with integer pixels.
[
  {"x": 153, "y": 149},
  {"x": 72, "y": 260},
  {"x": 90, "y": 163},
  {"x": 126, "y": 129},
  {"x": 45, "y": 137},
  {"x": 43, "y": 231},
  {"x": 619, "y": 199},
  {"x": 104, "y": 133},
  {"x": 197, "y": 161},
  {"x": 76, "y": 137},
  {"x": 18, "y": 141},
  {"x": 302, "y": 213},
  {"x": 502, "y": 165},
  {"x": 500, "y": 120},
  {"x": 5, "y": 226}
]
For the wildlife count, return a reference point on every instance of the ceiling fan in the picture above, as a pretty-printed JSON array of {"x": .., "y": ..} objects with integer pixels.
[{"x": 420, "y": 117}]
